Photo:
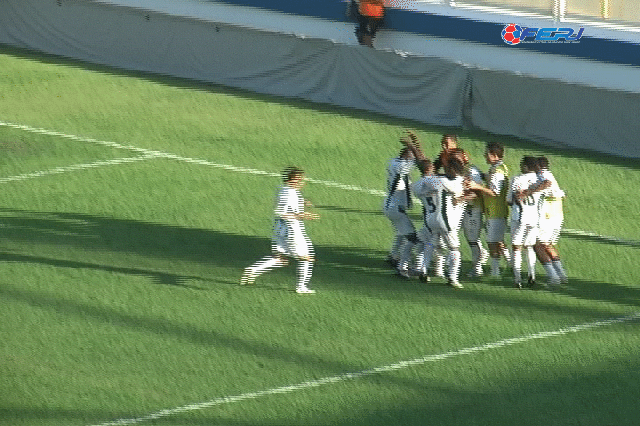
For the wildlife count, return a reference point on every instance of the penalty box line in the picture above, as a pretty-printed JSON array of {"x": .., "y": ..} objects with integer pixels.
[
  {"x": 365, "y": 373},
  {"x": 161, "y": 154},
  {"x": 75, "y": 167}
]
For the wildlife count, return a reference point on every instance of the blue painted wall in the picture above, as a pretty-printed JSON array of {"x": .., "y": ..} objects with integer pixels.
[{"x": 426, "y": 24}]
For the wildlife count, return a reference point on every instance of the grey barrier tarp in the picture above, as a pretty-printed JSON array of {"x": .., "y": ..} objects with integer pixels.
[
  {"x": 557, "y": 113},
  {"x": 426, "y": 89}
]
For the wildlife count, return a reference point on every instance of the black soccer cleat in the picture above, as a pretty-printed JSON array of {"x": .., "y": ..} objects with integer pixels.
[{"x": 531, "y": 282}]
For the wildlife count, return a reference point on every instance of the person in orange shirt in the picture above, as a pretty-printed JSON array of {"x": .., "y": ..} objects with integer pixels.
[{"x": 370, "y": 16}]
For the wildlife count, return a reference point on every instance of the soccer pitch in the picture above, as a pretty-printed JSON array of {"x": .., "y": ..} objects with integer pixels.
[{"x": 131, "y": 204}]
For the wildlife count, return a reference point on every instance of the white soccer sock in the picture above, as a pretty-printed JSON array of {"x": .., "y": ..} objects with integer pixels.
[
  {"x": 304, "y": 273},
  {"x": 439, "y": 262},
  {"x": 454, "y": 261},
  {"x": 495, "y": 266},
  {"x": 517, "y": 264},
  {"x": 484, "y": 254},
  {"x": 475, "y": 256},
  {"x": 507, "y": 254},
  {"x": 427, "y": 255},
  {"x": 266, "y": 264},
  {"x": 531, "y": 258},
  {"x": 557, "y": 266},
  {"x": 405, "y": 255},
  {"x": 551, "y": 273},
  {"x": 420, "y": 257},
  {"x": 397, "y": 245}
]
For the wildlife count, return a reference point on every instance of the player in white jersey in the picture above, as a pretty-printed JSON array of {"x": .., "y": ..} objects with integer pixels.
[
  {"x": 424, "y": 235},
  {"x": 398, "y": 199},
  {"x": 495, "y": 206},
  {"x": 524, "y": 219},
  {"x": 289, "y": 238},
  {"x": 550, "y": 223},
  {"x": 444, "y": 201},
  {"x": 472, "y": 223}
]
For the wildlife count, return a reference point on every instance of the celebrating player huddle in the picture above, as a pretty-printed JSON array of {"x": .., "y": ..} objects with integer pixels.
[
  {"x": 462, "y": 197},
  {"x": 455, "y": 194}
]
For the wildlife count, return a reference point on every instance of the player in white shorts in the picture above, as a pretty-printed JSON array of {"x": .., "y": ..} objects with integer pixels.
[
  {"x": 444, "y": 201},
  {"x": 289, "y": 239},
  {"x": 424, "y": 234},
  {"x": 495, "y": 206},
  {"x": 472, "y": 224},
  {"x": 398, "y": 200},
  {"x": 550, "y": 223},
  {"x": 524, "y": 220}
]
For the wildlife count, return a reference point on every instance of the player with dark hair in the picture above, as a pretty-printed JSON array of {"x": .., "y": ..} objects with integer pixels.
[
  {"x": 444, "y": 201},
  {"x": 472, "y": 221},
  {"x": 449, "y": 143},
  {"x": 495, "y": 204},
  {"x": 550, "y": 223},
  {"x": 289, "y": 238},
  {"x": 398, "y": 201},
  {"x": 524, "y": 219}
]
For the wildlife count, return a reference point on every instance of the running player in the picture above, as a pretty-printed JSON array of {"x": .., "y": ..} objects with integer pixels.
[
  {"x": 444, "y": 201},
  {"x": 289, "y": 239},
  {"x": 551, "y": 219},
  {"x": 524, "y": 219}
]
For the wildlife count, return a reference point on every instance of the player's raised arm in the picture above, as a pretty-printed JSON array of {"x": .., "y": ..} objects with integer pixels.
[{"x": 411, "y": 141}]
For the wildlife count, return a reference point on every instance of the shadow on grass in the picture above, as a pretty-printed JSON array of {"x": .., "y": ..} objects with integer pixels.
[
  {"x": 509, "y": 141},
  {"x": 50, "y": 416},
  {"x": 344, "y": 268},
  {"x": 158, "y": 277},
  {"x": 604, "y": 393},
  {"x": 601, "y": 239},
  {"x": 95, "y": 233}
]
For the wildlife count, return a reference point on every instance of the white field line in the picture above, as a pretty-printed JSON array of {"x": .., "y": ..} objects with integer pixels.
[
  {"x": 75, "y": 167},
  {"x": 378, "y": 370},
  {"x": 160, "y": 154}
]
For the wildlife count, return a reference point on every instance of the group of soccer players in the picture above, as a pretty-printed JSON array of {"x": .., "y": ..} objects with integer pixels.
[
  {"x": 455, "y": 194},
  {"x": 461, "y": 196}
]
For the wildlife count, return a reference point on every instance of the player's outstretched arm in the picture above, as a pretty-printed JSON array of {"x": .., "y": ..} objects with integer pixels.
[
  {"x": 538, "y": 186},
  {"x": 473, "y": 186},
  {"x": 411, "y": 141}
]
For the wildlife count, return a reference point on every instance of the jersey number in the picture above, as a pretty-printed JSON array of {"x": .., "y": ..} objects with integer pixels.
[
  {"x": 529, "y": 201},
  {"x": 432, "y": 207}
]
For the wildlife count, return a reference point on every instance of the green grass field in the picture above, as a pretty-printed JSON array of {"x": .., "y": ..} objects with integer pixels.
[{"x": 132, "y": 202}]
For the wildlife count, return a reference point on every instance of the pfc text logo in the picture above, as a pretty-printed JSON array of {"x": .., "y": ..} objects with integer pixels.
[{"x": 513, "y": 34}]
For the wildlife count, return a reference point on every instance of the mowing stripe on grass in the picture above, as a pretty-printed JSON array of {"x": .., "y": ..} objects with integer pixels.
[
  {"x": 384, "y": 369},
  {"x": 75, "y": 167},
  {"x": 160, "y": 154}
]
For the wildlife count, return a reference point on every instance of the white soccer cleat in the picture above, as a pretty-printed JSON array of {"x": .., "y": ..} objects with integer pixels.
[
  {"x": 484, "y": 257},
  {"x": 455, "y": 284},
  {"x": 305, "y": 290},
  {"x": 404, "y": 273}
]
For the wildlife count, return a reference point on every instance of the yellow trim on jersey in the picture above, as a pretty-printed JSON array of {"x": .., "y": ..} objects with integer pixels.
[{"x": 496, "y": 207}]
